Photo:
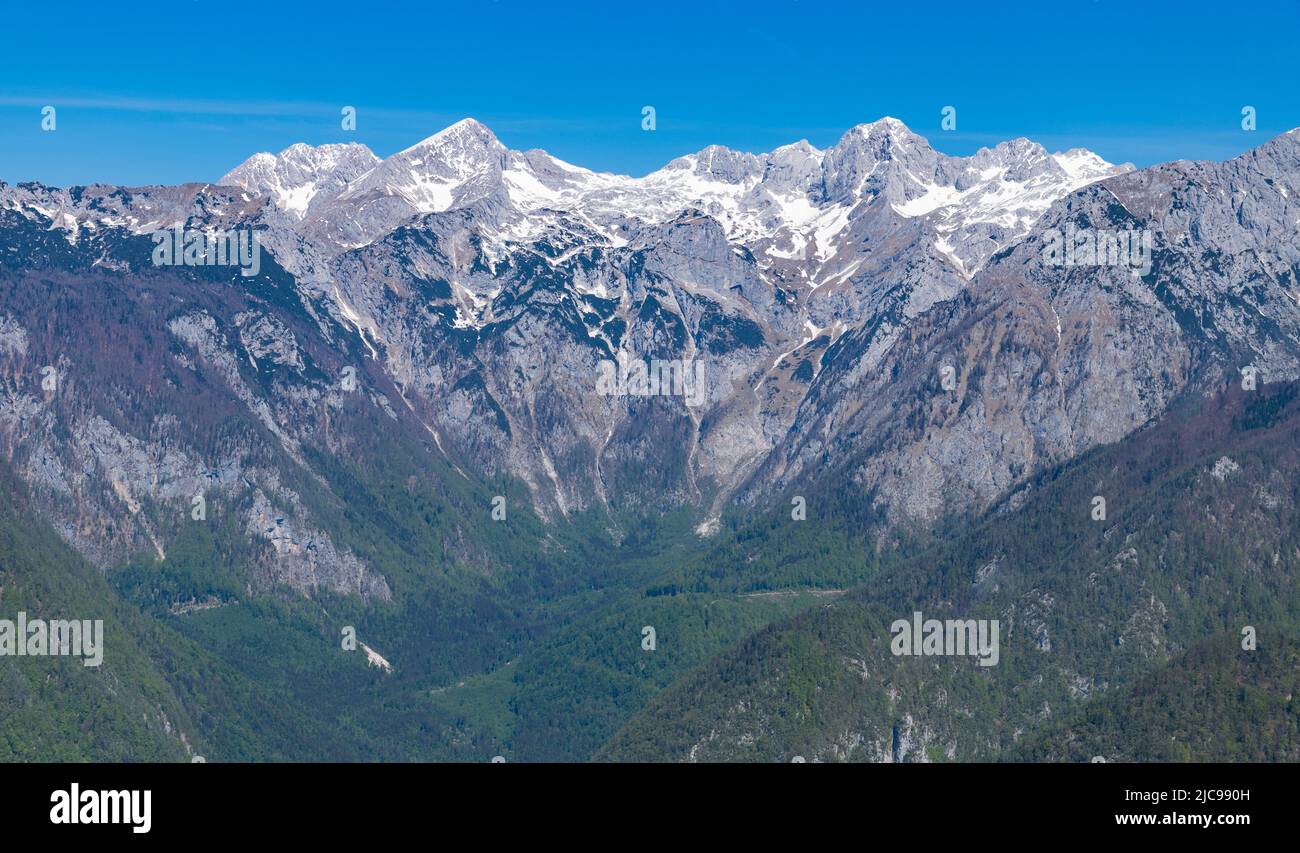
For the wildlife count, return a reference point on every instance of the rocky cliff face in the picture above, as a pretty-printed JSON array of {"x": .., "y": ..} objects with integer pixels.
[{"x": 139, "y": 399}]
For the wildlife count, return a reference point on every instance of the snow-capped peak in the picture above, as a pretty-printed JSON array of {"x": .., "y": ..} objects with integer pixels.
[
  {"x": 801, "y": 148},
  {"x": 456, "y": 166},
  {"x": 302, "y": 176},
  {"x": 882, "y": 138},
  {"x": 884, "y": 124},
  {"x": 1083, "y": 165},
  {"x": 468, "y": 134}
]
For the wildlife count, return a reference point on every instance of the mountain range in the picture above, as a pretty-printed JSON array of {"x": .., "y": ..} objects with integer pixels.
[{"x": 397, "y": 423}]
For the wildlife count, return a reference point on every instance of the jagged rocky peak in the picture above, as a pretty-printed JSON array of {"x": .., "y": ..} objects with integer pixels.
[
  {"x": 797, "y": 165},
  {"x": 302, "y": 175},
  {"x": 884, "y": 134},
  {"x": 721, "y": 164},
  {"x": 1017, "y": 159},
  {"x": 307, "y": 158},
  {"x": 431, "y": 174},
  {"x": 1023, "y": 160},
  {"x": 880, "y": 157},
  {"x": 468, "y": 141}
]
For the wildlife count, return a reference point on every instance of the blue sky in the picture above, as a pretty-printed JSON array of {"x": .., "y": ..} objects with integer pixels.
[{"x": 183, "y": 90}]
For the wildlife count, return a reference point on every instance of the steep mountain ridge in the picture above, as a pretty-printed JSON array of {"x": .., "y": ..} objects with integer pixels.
[
  {"x": 1197, "y": 544},
  {"x": 1045, "y": 360},
  {"x": 491, "y": 288}
]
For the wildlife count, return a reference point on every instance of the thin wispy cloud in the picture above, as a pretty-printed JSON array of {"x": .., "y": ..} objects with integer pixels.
[{"x": 180, "y": 106}]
